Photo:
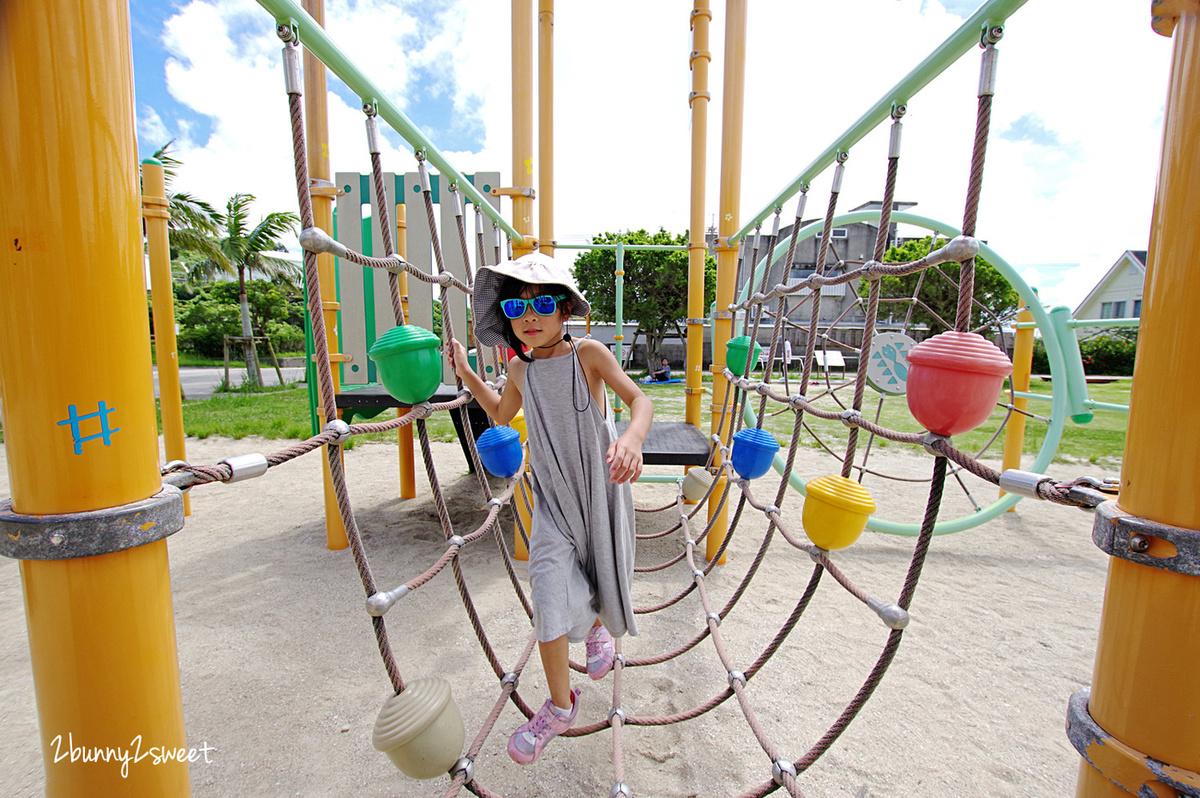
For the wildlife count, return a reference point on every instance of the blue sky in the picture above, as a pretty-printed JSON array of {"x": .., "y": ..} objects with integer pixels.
[
  {"x": 149, "y": 76},
  {"x": 1071, "y": 164},
  {"x": 430, "y": 100}
]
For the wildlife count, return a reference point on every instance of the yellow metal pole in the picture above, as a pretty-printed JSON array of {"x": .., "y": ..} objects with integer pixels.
[
  {"x": 522, "y": 123},
  {"x": 730, "y": 209},
  {"x": 404, "y": 438},
  {"x": 1014, "y": 432},
  {"x": 522, "y": 114},
  {"x": 78, "y": 407},
  {"x": 155, "y": 209},
  {"x": 1145, "y": 693},
  {"x": 316, "y": 131},
  {"x": 524, "y": 501},
  {"x": 697, "y": 247},
  {"x": 546, "y": 125}
]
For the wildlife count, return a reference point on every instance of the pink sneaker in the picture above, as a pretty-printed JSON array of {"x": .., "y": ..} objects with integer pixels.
[
  {"x": 530, "y": 738},
  {"x": 600, "y": 652}
]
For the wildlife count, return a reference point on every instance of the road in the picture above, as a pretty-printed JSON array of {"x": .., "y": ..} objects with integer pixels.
[{"x": 199, "y": 383}]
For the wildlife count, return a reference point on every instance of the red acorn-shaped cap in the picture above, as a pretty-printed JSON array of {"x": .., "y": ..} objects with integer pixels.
[{"x": 961, "y": 351}]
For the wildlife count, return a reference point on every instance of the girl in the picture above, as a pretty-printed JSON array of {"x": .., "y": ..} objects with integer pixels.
[{"x": 582, "y": 542}]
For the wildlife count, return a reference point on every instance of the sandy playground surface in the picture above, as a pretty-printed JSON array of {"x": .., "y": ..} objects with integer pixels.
[{"x": 281, "y": 676}]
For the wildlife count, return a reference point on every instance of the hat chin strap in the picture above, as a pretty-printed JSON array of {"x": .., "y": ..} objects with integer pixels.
[
  {"x": 574, "y": 366},
  {"x": 565, "y": 339}
]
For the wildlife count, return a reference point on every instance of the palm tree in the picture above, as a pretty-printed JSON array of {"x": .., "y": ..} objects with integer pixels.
[
  {"x": 192, "y": 226},
  {"x": 239, "y": 249}
]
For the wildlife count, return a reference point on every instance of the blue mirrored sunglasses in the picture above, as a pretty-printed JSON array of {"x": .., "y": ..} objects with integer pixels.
[{"x": 543, "y": 305}]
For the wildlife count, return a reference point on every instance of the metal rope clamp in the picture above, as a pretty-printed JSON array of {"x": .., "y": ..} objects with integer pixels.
[
  {"x": 780, "y": 768},
  {"x": 1146, "y": 542},
  {"x": 466, "y": 766},
  {"x": 1022, "y": 483},
  {"x": 340, "y": 429},
  {"x": 246, "y": 466},
  {"x": 91, "y": 533}
]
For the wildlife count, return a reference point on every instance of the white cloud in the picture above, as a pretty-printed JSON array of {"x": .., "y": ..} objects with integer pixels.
[
  {"x": 151, "y": 126},
  {"x": 623, "y": 124}
]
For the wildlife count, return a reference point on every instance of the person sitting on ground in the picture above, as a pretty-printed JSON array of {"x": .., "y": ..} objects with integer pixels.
[{"x": 663, "y": 374}]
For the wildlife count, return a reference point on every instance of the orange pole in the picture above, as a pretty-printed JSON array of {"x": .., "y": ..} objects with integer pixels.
[
  {"x": 156, "y": 210},
  {"x": 522, "y": 123},
  {"x": 697, "y": 247},
  {"x": 522, "y": 114},
  {"x": 78, "y": 398},
  {"x": 731, "y": 176},
  {"x": 404, "y": 438},
  {"x": 546, "y": 124},
  {"x": 316, "y": 131},
  {"x": 1014, "y": 432},
  {"x": 525, "y": 487},
  {"x": 1145, "y": 693}
]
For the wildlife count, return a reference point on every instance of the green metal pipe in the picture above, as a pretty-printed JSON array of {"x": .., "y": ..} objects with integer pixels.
[
  {"x": 314, "y": 38},
  {"x": 1041, "y": 396},
  {"x": 1106, "y": 406},
  {"x": 1104, "y": 323},
  {"x": 990, "y": 14},
  {"x": 659, "y": 478},
  {"x": 1077, "y": 392}
]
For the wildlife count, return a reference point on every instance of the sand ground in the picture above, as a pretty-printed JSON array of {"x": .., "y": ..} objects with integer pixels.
[{"x": 281, "y": 677}]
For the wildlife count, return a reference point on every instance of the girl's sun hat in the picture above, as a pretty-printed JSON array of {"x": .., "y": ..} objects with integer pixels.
[{"x": 534, "y": 268}]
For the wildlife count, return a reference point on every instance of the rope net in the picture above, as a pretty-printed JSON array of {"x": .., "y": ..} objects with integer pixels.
[{"x": 775, "y": 306}]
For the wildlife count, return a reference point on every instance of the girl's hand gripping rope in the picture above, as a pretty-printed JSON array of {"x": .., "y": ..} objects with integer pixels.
[
  {"x": 458, "y": 359},
  {"x": 500, "y": 407}
]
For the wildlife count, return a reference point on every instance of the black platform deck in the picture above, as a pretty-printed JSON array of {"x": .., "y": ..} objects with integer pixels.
[
  {"x": 673, "y": 443},
  {"x": 375, "y": 397}
]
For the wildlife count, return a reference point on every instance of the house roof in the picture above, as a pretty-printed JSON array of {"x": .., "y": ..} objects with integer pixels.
[{"x": 1137, "y": 256}]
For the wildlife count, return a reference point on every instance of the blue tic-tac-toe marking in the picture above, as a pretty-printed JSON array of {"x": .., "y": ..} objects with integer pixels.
[{"x": 73, "y": 418}]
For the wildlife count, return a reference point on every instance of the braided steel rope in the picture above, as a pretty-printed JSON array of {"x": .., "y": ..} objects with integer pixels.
[
  {"x": 507, "y": 688},
  {"x": 983, "y": 118},
  {"x": 385, "y": 231},
  {"x": 875, "y": 289},
  {"x": 320, "y": 343}
]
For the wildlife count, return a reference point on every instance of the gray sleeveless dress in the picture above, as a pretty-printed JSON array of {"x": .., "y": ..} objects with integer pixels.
[{"x": 582, "y": 544}]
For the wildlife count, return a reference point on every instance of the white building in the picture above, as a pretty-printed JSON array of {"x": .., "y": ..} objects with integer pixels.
[{"x": 1118, "y": 295}]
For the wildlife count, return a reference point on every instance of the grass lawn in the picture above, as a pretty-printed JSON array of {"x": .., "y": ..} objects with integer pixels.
[{"x": 279, "y": 414}]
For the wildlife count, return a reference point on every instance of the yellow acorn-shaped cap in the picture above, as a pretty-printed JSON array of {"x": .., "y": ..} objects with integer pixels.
[
  {"x": 696, "y": 483},
  {"x": 836, "y": 511},
  {"x": 518, "y": 423},
  {"x": 421, "y": 729}
]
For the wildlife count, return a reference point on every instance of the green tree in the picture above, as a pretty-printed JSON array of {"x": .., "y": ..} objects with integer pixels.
[
  {"x": 655, "y": 285},
  {"x": 240, "y": 249},
  {"x": 938, "y": 297},
  {"x": 209, "y": 314}
]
